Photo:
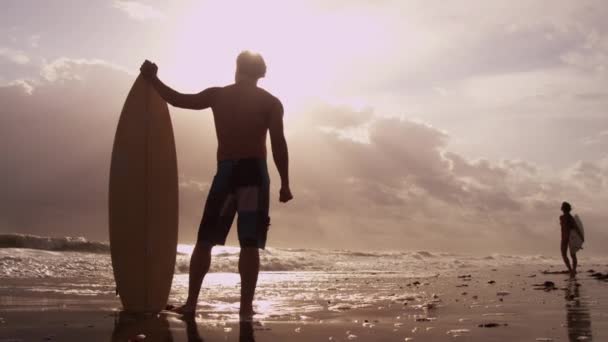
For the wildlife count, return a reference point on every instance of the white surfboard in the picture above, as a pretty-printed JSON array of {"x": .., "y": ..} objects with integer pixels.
[
  {"x": 143, "y": 201},
  {"x": 576, "y": 241}
]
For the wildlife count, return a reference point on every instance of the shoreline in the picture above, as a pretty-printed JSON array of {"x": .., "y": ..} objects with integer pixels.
[{"x": 477, "y": 305}]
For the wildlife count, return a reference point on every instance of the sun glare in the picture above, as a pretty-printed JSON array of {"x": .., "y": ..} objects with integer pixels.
[{"x": 308, "y": 50}]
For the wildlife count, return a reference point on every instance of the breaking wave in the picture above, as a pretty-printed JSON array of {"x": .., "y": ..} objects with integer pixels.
[
  {"x": 74, "y": 244},
  {"x": 23, "y": 256}
]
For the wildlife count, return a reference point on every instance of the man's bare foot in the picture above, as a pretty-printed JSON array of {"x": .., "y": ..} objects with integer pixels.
[{"x": 186, "y": 309}]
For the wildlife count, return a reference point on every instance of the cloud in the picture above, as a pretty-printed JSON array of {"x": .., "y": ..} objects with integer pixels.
[
  {"x": 500, "y": 100},
  {"x": 592, "y": 54},
  {"x": 62, "y": 69},
  {"x": 401, "y": 188},
  {"x": 26, "y": 85},
  {"x": 57, "y": 136},
  {"x": 34, "y": 40},
  {"x": 600, "y": 138},
  {"x": 14, "y": 56},
  {"x": 137, "y": 10},
  {"x": 591, "y": 176}
]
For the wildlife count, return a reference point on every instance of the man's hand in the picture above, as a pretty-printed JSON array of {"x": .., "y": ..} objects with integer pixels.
[
  {"x": 285, "y": 194},
  {"x": 148, "y": 70}
]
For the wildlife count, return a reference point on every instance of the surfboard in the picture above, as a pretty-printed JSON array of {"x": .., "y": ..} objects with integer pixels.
[
  {"x": 576, "y": 241},
  {"x": 579, "y": 222},
  {"x": 143, "y": 201}
]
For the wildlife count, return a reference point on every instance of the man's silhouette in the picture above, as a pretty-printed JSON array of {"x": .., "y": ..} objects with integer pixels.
[
  {"x": 569, "y": 226},
  {"x": 243, "y": 114}
]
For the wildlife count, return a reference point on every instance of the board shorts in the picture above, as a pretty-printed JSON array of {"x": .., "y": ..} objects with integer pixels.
[{"x": 240, "y": 186}]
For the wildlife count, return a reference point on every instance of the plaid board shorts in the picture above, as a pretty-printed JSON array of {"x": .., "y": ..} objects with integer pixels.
[{"x": 239, "y": 186}]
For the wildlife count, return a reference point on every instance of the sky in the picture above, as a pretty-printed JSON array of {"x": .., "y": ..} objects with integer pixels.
[{"x": 412, "y": 125}]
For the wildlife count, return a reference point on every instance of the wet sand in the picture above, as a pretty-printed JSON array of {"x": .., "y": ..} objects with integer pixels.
[{"x": 510, "y": 304}]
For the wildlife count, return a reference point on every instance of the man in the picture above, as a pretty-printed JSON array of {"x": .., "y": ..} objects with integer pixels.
[
  {"x": 570, "y": 227},
  {"x": 243, "y": 114}
]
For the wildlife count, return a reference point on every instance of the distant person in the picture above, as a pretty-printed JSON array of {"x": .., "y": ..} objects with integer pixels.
[
  {"x": 243, "y": 114},
  {"x": 569, "y": 227}
]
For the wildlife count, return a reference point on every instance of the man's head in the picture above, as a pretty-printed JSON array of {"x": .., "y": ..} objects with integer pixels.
[
  {"x": 250, "y": 65},
  {"x": 566, "y": 207}
]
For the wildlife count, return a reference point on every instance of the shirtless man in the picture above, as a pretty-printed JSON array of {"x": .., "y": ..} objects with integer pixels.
[{"x": 242, "y": 113}]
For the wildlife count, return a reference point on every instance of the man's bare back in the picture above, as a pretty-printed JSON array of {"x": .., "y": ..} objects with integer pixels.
[{"x": 243, "y": 113}]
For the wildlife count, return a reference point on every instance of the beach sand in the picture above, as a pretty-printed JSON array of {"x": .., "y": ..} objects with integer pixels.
[{"x": 481, "y": 305}]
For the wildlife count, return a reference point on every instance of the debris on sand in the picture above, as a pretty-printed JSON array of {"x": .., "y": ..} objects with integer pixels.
[
  {"x": 425, "y": 319},
  {"x": 492, "y": 325},
  {"x": 546, "y": 286},
  {"x": 465, "y": 277}
]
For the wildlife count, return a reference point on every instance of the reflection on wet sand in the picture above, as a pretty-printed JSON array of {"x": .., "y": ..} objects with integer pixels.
[
  {"x": 578, "y": 318},
  {"x": 136, "y": 327},
  {"x": 192, "y": 329},
  {"x": 245, "y": 330}
]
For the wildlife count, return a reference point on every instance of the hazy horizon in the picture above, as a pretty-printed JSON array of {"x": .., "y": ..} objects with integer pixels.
[{"x": 412, "y": 125}]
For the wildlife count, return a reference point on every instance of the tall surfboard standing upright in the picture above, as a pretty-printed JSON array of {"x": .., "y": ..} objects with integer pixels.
[{"x": 143, "y": 201}]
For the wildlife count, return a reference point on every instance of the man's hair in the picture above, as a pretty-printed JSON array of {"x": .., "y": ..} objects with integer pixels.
[
  {"x": 566, "y": 207},
  {"x": 251, "y": 64}
]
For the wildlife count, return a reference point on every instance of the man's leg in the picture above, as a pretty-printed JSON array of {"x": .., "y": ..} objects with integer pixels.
[
  {"x": 574, "y": 261},
  {"x": 252, "y": 205},
  {"x": 249, "y": 266},
  {"x": 199, "y": 266},
  {"x": 564, "y": 248}
]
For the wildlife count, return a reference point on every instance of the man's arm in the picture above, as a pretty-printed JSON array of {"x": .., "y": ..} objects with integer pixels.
[
  {"x": 202, "y": 100},
  {"x": 279, "y": 150}
]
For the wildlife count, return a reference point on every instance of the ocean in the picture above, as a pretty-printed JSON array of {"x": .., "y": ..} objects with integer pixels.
[{"x": 73, "y": 272}]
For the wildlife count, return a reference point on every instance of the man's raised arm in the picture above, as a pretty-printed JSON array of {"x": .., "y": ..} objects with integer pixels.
[
  {"x": 279, "y": 150},
  {"x": 202, "y": 100}
]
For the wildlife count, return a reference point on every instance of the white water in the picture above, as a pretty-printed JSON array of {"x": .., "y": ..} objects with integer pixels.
[
  {"x": 60, "y": 271},
  {"x": 65, "y": 258}
]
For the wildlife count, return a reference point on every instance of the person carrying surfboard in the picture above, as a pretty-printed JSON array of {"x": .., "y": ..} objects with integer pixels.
[
  {"x": 572, "y": 237},
  {"x": 243, "y": 114}
]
